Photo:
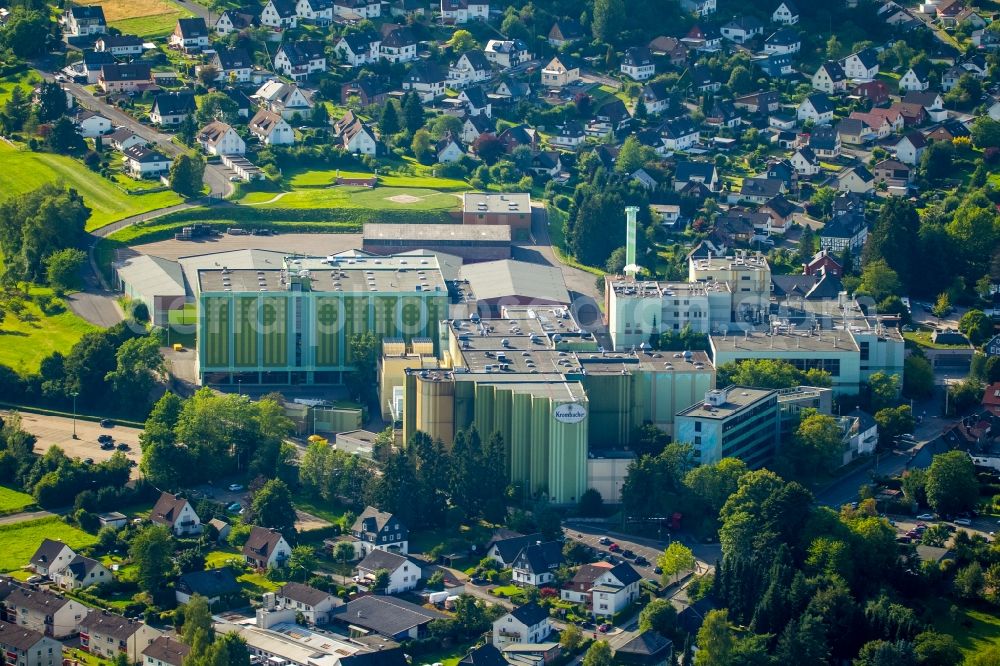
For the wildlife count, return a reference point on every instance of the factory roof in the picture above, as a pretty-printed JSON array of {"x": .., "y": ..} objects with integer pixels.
[
  {"x": 741, "y": 261},
  {"x": 652, "y": 289},
  {"x": 433, "y": 233},
  {"x": 801, "y": 342},
  {"x": 352, "y": 272},
  {"x": 152, "y": 275},
  {"x": 737, "y": 398},
  {"x": 480, "y": 202},
  {"x": 508, "y": 278},
  {"x": 294, "y": 643}
]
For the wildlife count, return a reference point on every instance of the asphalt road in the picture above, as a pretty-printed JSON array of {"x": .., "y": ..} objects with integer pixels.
[
  {"x": 649, "y": 547},
  {"x": 58, "y": 431}
]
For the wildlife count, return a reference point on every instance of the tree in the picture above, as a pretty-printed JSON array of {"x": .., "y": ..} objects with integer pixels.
[
  {"x": 892, "y": 240},
  {"x": 571, "y": 638},
  {"x": 817, "y": 443},
  {"x": 198, "y": 630},
  {"x": 187, "y": 130},
  {"x": 976, "y": 326},
  {"x": 649, "y": 440},
  {"x": 942, "y": 306},
  {"x": 631, "y": 156},
  {"x": 598, "y": 654},
  {"x": 740, "y": 80},
  {"x": 152, "y": 550},
  {"x": 878, "y": 280},
  {"x": 389, "y": 122},
  {"x": 951, "y": 483},
  {"x": 187, "y": 175},
  {"x": 713, "y": 484},
  {"x": 62, "y": 268},
  {"x": 25, "y": 33},
  {"x": 918, "y": 377},
  {"x": 344, "y": 552},
  {"x": 936, "y": 162},
  {"x": 64, "y": 137},
  {"x": 715, "y": 640},
  {"x": 51, "y": 102},
  {"x": 421, "y": 146},
  {"x": 660, "y": 616},
  {"x": 985, "y": 132},
  {"x": 272, "y": 507},
  {"x": 607, "y": 19},
  {"x": 759, "y": 373},
  {"x": 320, "y": 116},
  {"x": 16, "y": 110},
  {"x": 217, "y": 106},
  {"x": 302, "y": 561},
  {"x": 676, "y": 559},
  {"x": 640, "y": 112},
  {"x": 883, "y": 389},
  {"x": 893, "y": 422},
  {"x": 591, "y": 503},
  {"x": 138, "y": 366},
  {"x": 207, "y": 75},
  {"x": 969, "y": 581},
  {"x": 413, "y": 113},
  {"x": 37, "y": 224},
  {"x": 488, "y": 148},
  {"x": 935, "y": 649},
  {"x": 884, "y": 653},
  {"x": 462, "y": 41},
  {"x": 381, "y": 580},
  {"x": 363, "y": 348}
]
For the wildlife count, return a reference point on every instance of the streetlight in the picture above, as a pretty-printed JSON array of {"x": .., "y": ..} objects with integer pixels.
[{"x": 74, "y": 394}]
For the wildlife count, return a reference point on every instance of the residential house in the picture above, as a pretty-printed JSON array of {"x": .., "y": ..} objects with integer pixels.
[
  {"x": 604, "y": 589},
  {"x": 474, "y": 127},
  {"x": 679, "y": 134},
  {"x": 235, "y": 20},
  {"x": 90, "y": 123},
  {"x": 759, "y": 190},
  {"x": 507, "y": 53},
  {"x": 506, "y": 545},
  {"x": 484, "y": 655},
  {"x": 121, "y": 139},
  {"x": 723, "y": 114},
  {"x": 476, "y": 102},
  {"x": 817, "y": 108},
  {"x": 379, "y": 530},
  {"x": 949, "y": 130},
  {"x": 130, "y": 78},
  {"x": 22, "y": 646},
  {"x": 176, "y": 513},
  {"x": 565, "y": 31},
  {"x": 703, "y": 38},
  {"x": 952, "y": 76},
  {"x": 358, "y": 48},
  {"x": 830, "y": 78},
  {"x": 222, "y": 529},
  {"x": 737, "y": 226},
  {"x": 657, "y": 97},
  {"x": 742, "y": 29},
  {"x": 298, "y": 60},
  {"x": 51, "y": 557},
  {"x": 570, "y": 135},
  {"x": 285, "y": 99},
  {"x": 46, "y": 612},
  {"x": 386, "y": 616},
  {"x": 913, "y": 114},
  {"x": 881, "y": 122},
  {"x": 854, "y": 132},
  {"x": 165, "y": 651},
  {"x": 785, "y": 13},
  {"x": 971, "y": 19},
  {"x": 398, "y": 44},
  {"x": 670, "y": 48},
  {"x": 876, "y": 92},
  {"x": 546, "y": 163},
  {"x": 823, "y": 262},
  {"x": 120, "y": 46},
  {"x": 266, "y": 548},
  {"x": 932, "y": 102},
  {"x": 518, "y": 135},
  {"x": 279, "y": 15},
  {"x": 992, "y": 348},
  {"x": 107, "y": 635},
  {"x": 861, "y": 66},
  {"x": 525, "y": 624},
  {"x": 271, "y": 129},
  {"x": 648, "y": 648},
  {"x": 426, "y": 79},
  {"x": 219, "y": 138},
  {"x": 703, "y": 173},
  {"x": 190, "y": 34},
  {"x": 637, "y": 63},
  {"x": 404, "y": 573},
  {"x": 805, "y": 162},
  {"x": 216, "y": 585},
  {"x": 82, "y": 572},
  {"x": 774, "y": 65},
  {"x": 916, "y": 78},
  {"x": 703, "y": 79},
  {"x": 357, "y": 10},
  {"x": 856, "y": 179},
  {"x": 780, "y": 212},
  {"x": 92, "y": 62},
  {"x": 783, "y": 41},
  {"x": 448, "y": 150},
  {"x": 85, "y": 20},
  {"x": 314, "y": 604},
  {"x": 512, "y": 91},
  {"x": 561, "y": 71},
  {"x": 843, "y": 232},
  {"x": 463, "y": 11},
  {"x": 471, "y": 67},
  {"x": 700, "y": 7},
  {"x": 825, "y": 142},
  {"x": 172, "y": 108},
  {"x": 536, "y": 564},
  {"x": 319, "y": 12},
  {"x": 759, "y": 102},
  {"x": 893, "y": 173},
  {"x": 141, "y": 162},
  {"x": 233, "y": 65},
  {"x": 669, "y": 215}
]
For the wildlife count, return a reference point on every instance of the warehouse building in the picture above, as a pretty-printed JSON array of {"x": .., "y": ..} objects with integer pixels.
[
  {"x": 470, "y": 242},
  {"x": 511, "y": 210},
  {"x": 156, "y": 282},
  {"x": 291, "y": 323},
  {"x": 492, "y": 286}
]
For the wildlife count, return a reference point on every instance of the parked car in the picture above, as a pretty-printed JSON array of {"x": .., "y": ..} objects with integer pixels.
[
  {"x": 88, "y": 461},
  {"x": 235, "y": 507},
  {"x": 604, "y": 628},
  {"x": 107, "y": 446},
  {"x": 605, "y": 541},
  {"x": 105, "y": 438},
  {"x": 964, "y": 522},
  {"x": 904, "y": 539},
  {"x": 642, "y": 561},
  {"x": 628, "y": 554},
  {"x": 614, "y": 548},
  {"x": 235, "y": 487},
  {"x": 658, "y": 571},
  {"x": 926, "y": 516},
  {"x": 107, "y": 423},
  {"x": 123, "y": 447}
]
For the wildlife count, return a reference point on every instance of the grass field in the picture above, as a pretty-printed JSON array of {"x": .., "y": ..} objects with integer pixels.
[
  {"x": 21, "y": 540},
  {"x": 24, "y": 171},
  {"x": 379, "y": 198},
  {"x": 25, "y": 80},
  {"x": 975, "y": 630},
  {"x": 324, "y": 177},
  {"x": 145, "y": 18},
  {"x": 13, "y": 501},
  {"x": 23, "y": 344}
]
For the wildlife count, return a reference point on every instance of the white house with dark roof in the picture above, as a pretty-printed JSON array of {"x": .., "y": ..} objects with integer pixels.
[
  {"x": 219, "y": 138},
  {"x": 142, "y": 162},
  {"x": 271, "y": 129},
  {"x": 171, "y": 108},
  {"x": 85, "y": 20},
  {"x": 637, "y": 63},
  {"x": 857, "y": 179},
  {"x": 319, "y": 12},
  {"x": 605, "y": 589},
  {"x": 561, "y": 71},
  {"x": 51, "y": 556},
  {"x": 379, "y": 530},
  {"x": 119, "y": 46},
  {"x": 742, "y": 29},
  {"x": 234, "y": 20},
  {"x": 805, "y": 162},
  {"x": 861, "y": 66},
  {"x": 22, "y": 646},
  {"x": 165, "y": 651},
  {"x": 783, "y": 41},
  {"x": 358, "y": 48},
  {"x": 404, "y": 574},
  {"x": 398, "y": 44},
  {"x": 190, "y": 34},
  {"x": 817, "y": 108},
  {"x": 285, "y": 99},
  {"x": 507, "y": 53},
  {"x": 785, "y": 13},
  {"x": 911, "y": 148},
  {"x": 471, "y": 67},
  {"x": 82, "y": 572},
  {"x": 266, "y": 548},
  {"x": 232, "y": 64},
  {"x": 536, "y": 564},
  {"x": 830, "y": 78},
  {"x": 525, "y": 624},
  {"x": 298, "y": 60},
  {"x": 46, "y": 612},
  {"x": 463, "y": 11},
  {"x": 279, "y": 14},
  {"x": 177, "y": 514},
  {"x": 313, "y": 603},
  {"x": 107, "y": 635},
  {"x": 916, "y": 78}
]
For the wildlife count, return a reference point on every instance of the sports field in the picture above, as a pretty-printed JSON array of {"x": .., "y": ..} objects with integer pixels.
[
  {"x": 145, "y": 18},
  {"x": 379, "y": 198},
  {"x": 24, "y": 171}
]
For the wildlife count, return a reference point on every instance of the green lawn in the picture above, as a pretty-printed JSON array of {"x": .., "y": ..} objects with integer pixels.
[
  {"x": 23, "y": 344},
  {"x": 151, "y": 19},
  {"x": 13, "y": 501},
  {"x": 24, "y": 171},
  {"x": 21, "y": 540},
  {"x": 24, "y": 80},
  {"x": 357, "y": 197},
  {"x": 334, "y": 512},
  {"x": 922, "y": 338},
  {"x": 974, "y": 629}
]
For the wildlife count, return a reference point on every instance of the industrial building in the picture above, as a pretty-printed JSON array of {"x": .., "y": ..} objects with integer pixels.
[
  {"x": 470, "y": 242},
  {"x": 291, "y": 324},
  {"x": 494, "y": 286},
  {"x": 733, "y": 422},
  {"x": 156, "y": 282},
  {"x": 512, "y": 210}
]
